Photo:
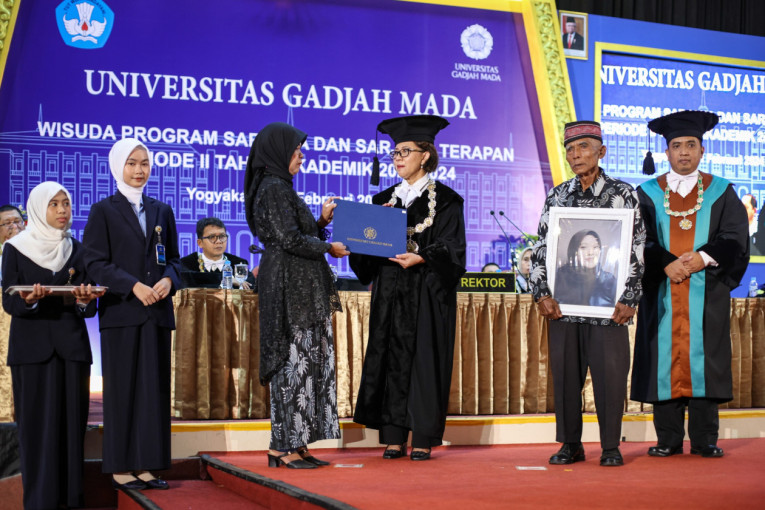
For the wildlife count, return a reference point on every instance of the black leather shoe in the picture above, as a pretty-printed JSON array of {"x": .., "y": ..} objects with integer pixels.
[
  {"x": 568, "y": 454},
  {"x": 278, "y": 460},
  {"x": 390, "y": 453},
  {"x": 156, "y": 483},
  {"x": 611, "y": 457},
  {"x": 305, "y": 455},
  {"x": 665, "y": 451},
  {"x": 707, "y": 451},
  {"x": 420, "y": 455},
  {"x": 135, "y": 485}
]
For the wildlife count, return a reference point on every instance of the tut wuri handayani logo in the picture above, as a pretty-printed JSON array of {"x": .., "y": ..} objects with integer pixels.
[{"x": 84, "y": 24}]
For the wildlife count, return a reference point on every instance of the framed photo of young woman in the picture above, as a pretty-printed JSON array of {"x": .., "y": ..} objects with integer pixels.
[{"x": 588, "y": 258}]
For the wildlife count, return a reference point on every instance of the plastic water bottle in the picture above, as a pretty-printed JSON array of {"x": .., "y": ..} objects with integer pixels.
[
  {"x": 753, "y": 287},
  {"x": 227, "y": 282}
]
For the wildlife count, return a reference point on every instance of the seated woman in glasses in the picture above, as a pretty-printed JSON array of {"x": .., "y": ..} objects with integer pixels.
[
  {"x": 206, "y": 269},
  {"x": 408, "y": 363}
]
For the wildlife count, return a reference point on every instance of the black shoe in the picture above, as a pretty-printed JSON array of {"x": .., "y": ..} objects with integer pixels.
[
  {"x": 707, "y": 451},
  {"x": 420, "y": 455},
  {"x": 568, "y": 454},
  {"x": 390, "y": 453},
  {"x": 135, "y": 485},
  {"x": 665, "y": 451},
  {"x": 156, "y": 483},
  {"x": 305, "y": 455},
  {"x": 611, "y": 457},
  {"x": 276, "y": 461}
]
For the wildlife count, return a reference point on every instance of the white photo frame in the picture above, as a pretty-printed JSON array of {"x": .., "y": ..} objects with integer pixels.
[{"x": 581, "y": 287}]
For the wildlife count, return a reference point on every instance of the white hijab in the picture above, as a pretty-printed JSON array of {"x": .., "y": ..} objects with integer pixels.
[
  {"x": 118, "y": 156},
  {"x": 45, "y": 245}
]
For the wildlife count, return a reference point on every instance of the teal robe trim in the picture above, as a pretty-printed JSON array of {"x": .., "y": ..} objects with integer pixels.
[{"x": 697, "y": 296}]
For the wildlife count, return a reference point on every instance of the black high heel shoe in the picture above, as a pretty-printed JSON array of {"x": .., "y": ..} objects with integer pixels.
[
  {"x": 390, "y": 453},
  {"x": 305, "y": 455},
  {"x": 278, "y": 460}
]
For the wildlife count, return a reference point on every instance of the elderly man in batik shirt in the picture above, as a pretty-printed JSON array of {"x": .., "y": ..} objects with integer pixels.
[{"x": 576, "y": 343}]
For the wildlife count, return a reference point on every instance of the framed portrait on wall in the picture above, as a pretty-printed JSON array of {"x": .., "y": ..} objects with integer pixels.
[
  {"x": 588, "y": 258},
  {"x": 573, "y": 28}
]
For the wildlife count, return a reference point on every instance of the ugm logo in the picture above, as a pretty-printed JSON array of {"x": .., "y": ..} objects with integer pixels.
[
  {"x": 476, "y": 42},
  {"x": 370, "y": 233},
  {"x": 84, "y": 24}
]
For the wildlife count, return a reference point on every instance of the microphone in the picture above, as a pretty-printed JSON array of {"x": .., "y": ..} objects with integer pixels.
[
  {"x": 500, "y": 227},
  {"x": 523, "y": 234}
]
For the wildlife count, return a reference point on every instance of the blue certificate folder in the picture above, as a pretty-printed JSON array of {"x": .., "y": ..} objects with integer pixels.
[{"x": 370, "y": 229}]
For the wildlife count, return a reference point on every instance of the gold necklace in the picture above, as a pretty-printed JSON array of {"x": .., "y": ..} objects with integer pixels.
[
  {"x": 411, "y": 245},
  {"x": 685, "y": 223}
]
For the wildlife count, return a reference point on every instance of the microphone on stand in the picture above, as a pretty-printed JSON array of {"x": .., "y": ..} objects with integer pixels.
[
  {"x": 523, "y": 234},
  {"x": 509, "y": 249}
]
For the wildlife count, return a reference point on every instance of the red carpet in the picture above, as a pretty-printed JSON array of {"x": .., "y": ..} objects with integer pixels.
[{"x": 461, "y": 477}]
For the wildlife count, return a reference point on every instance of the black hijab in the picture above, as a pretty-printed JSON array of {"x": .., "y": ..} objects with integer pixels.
[{"x": 270, "y": 154}]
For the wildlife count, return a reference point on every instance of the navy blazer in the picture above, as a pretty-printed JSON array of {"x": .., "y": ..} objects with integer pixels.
[
  {"x": 119, "y": 255},
  {"x": 53, "y": 325}
]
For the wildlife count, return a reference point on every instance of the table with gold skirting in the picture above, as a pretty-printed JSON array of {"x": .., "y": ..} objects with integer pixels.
[
  {"x": 6, "y": 391},
  {"x": 500, "y": 360}
]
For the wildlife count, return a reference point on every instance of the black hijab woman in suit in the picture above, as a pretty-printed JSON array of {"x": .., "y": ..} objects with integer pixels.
[
  {"x": 297, "y": 299},
  {"x": 133, "y": 249},
  {"x": 408, "y": 363},
  {"x": 49, "y": 350}
]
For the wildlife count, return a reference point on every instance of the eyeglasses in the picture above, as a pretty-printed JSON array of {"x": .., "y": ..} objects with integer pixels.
[
  {"x": 404, "y": 153},
  {"x": 8, "y": 224},
  {"x": 215, "y": 238}
]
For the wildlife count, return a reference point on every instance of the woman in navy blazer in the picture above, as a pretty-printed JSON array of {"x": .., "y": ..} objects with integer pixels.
[
  {"x": 133, "y": 250},
  {"x": 49, "y": 350}
]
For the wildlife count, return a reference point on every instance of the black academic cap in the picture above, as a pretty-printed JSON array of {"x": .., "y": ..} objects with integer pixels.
[
  {"x": 414, "y": 128},
  {"x": 684, "y": 123}
]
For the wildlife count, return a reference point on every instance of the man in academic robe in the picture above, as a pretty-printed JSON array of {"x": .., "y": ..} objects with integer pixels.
[
  {"x": 206, "y": 269},
  {"x": 577, "y": 343},
  {"x": 697, "y": 250},
  {"x": 11, "y": 223}
]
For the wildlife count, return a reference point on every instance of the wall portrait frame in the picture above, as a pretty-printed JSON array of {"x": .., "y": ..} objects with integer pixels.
[{"x": 578, "y": 49}]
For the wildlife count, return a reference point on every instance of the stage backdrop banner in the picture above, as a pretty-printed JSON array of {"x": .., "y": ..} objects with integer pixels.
[
  {"x": 635, "y": 88},
  {"x": 197, "y": 80}
]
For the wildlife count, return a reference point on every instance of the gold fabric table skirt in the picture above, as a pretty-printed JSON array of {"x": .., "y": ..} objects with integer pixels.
[
  {"x": 6, "y": 390},
  {"x": 500, "y": 359}
]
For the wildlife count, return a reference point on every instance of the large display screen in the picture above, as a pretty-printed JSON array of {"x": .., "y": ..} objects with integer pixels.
[
  {"x": 636, "y": 88},
  {"x": 197, "y": 80}
]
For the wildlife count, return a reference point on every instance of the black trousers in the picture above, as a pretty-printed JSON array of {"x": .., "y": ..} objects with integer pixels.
[
  {"x": 51, "y": 400},
  {"x": 136, "y": 369},
  {"x": 393, "y": 434},
  {"x": 606, "y": 351},
  {"x": 703, "y": 421}
]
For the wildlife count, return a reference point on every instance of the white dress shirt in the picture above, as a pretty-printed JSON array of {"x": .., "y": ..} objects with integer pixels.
[{"x": 409, "y": 193}]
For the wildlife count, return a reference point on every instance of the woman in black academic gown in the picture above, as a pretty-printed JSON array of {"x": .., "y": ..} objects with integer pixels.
[
  {"x": 408, "y": 363},
  {"x": 133, "y": 249},
  {"x": 49, "y": 351}
]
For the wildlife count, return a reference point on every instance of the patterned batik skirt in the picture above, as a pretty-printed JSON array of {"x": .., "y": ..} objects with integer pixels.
[{"x": 304, "y": 393}]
